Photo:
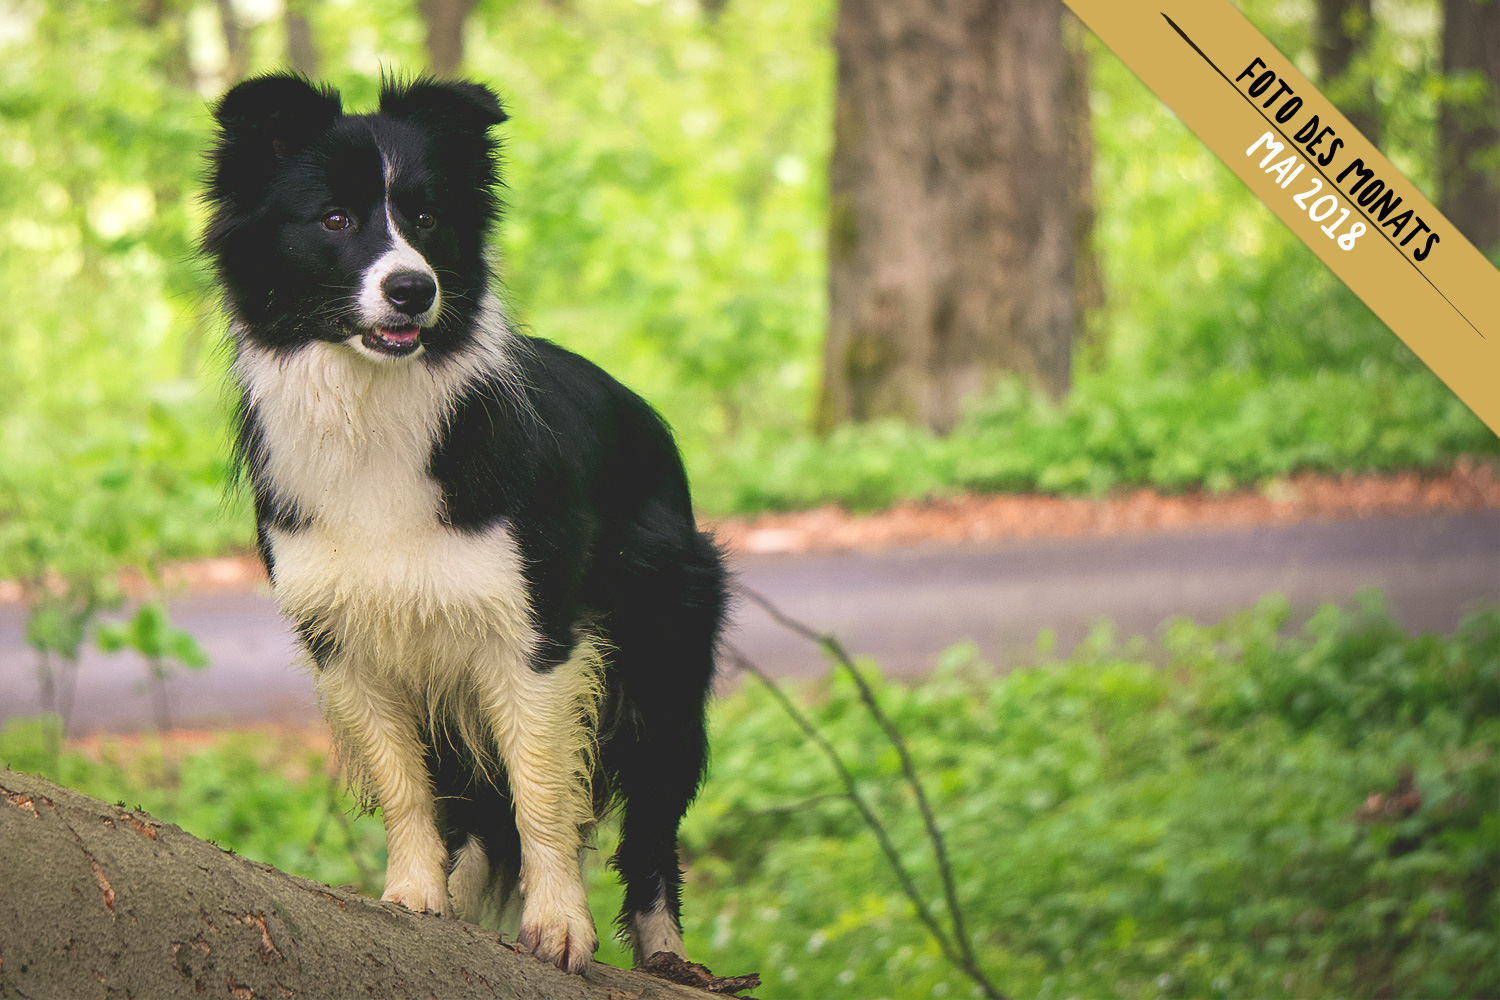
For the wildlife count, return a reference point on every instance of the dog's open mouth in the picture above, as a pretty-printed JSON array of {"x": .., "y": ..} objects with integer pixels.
[{"x": 396, "y": 342}]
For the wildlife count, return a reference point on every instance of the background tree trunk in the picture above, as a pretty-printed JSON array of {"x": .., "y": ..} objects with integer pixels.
[
  {"x": 237, "y": 41},
  {"x": 301, "y": 49},
  {"x": 1343, "y": 34},
  {"x": 1469, "y": 131},
  {"x": 445, "y": 33},
  {"x": 96, "y": 900},
  {"x": 951, "y": 213},
  {"x": 170, "y": 25},
  {"x": 1088, "y": 273}
]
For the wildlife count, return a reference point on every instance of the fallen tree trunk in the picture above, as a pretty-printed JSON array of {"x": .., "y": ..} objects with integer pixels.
[{"x": 100, "y": 901}]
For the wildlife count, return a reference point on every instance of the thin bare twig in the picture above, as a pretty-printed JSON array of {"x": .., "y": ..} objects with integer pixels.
[
  {"x": 67, "y": 689},
  {"x": 835, "y": 649},
  {"x": 908, "y": 885},
  {"x": 792, "y": 807}
]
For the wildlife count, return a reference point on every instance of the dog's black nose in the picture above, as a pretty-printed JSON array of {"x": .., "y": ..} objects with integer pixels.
[{"x": 411, "y": 292}]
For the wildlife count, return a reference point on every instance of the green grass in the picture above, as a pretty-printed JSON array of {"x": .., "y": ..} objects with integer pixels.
[{"x": 1117, "y": 829}]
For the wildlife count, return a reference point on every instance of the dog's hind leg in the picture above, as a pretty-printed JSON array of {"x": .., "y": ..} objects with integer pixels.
[
  {"x": 658, "y": 776},
  {"x": 664, "y": 633},
  {"x": 485, "y": 878},
  {"x": 469, "y": 879},
  {"x": 484, "y": 889}
]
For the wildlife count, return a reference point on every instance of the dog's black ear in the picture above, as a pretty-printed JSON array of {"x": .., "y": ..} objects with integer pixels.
[
  {"x": 282, "y": 111},
  {"x": 264, "y": 120},
  {"x": 453, "y": 104}
]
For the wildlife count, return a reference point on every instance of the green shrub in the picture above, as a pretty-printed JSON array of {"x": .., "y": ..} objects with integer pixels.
[
  {"x": 1218, "y": 431},
  {"x": 1119, "y": 829}
]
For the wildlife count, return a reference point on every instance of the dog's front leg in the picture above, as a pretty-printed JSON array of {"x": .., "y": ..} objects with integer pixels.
[
  {"x": 543, "y": 725},
  {"x": 382, "y": 732}
]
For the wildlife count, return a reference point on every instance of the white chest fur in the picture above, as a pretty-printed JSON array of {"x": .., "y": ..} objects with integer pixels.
[
  {"x": 348, "y": 442},
  {"x": 430, "y": 624}
]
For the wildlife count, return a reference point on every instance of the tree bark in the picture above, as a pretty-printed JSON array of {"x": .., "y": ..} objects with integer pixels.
[
  {"x": 100, "y": 901},
  {"x": 1088, "y": 295},
  {"x": 237, "y": 41},
  {"x": 301, "y": 50},
  {"x": 169, "y": 24},
  {"x": 1343, "y": 35},
  {"x": 445, "y": 33},
  {"x": 1469, "y": 130},
  {"x": 951, "y": 212}
]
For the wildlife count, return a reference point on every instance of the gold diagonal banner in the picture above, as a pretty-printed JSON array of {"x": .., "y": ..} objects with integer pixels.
[{"x": 1325, "y": 180}]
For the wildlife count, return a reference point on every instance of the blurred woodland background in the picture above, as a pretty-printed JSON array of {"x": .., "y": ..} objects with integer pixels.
[
  {"x": 687, "y": 183},
  {"x": 849, "y": 263}
]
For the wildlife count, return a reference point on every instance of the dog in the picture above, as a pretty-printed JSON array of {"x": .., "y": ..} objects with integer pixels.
[{"x": 486, "y": 543}]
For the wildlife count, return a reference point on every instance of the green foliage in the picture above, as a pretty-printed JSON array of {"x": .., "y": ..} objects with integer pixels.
[
  {"x": 1228, "y": 825},
  {"x": 58, "y": 620},
  {"x": 1219, "y": 430},
  {"x": 667, "y": 193},
  {"x": 1233, "y": 356},
  {"x": 111, "y": 451},
  {"x": 667, "y": 189},
  {"x": 150, "y": 633},
  {"x": 1119, "y": 829}
]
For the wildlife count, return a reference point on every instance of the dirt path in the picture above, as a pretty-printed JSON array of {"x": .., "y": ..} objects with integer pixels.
[
  {"x": 991, "y": 518},
  {"x": 1469, "y": 486},
  {"x": 901, "y": 606}
]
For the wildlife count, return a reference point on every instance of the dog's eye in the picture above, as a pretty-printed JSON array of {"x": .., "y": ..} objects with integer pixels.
[
  {"x": 425, "y": 221},
  {"x": 336, "y": 221}
]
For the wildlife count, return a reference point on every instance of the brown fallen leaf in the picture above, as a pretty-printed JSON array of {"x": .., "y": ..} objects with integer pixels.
[{"x": 675, "y": 969}]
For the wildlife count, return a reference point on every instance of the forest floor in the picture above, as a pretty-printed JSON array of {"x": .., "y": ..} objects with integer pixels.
[{"x": 1469, "y": 485}]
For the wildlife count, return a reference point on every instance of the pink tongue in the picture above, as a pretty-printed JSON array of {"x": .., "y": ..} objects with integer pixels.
[{"x": 404, "y": 335}]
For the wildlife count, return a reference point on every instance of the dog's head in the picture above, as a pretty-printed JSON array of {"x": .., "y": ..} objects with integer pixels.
[{"x": 368, "y": 230}]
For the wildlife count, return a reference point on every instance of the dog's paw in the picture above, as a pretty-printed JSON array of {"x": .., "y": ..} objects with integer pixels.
[
  {"x": 429, "y": 896},
  {"x": 564, "y": 936}
]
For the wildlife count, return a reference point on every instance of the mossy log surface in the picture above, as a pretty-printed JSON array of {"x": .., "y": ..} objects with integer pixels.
[{"x": 100, "y": 901}]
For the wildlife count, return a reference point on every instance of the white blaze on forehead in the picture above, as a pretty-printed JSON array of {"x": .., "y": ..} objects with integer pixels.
[{"x": 374, "y": 310}]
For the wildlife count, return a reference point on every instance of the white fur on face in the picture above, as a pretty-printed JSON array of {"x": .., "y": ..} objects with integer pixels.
[{"x": 374, "y": 310}]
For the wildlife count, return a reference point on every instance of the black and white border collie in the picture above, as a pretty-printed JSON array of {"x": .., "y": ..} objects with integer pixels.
[{"x": 486, "y": 543}]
